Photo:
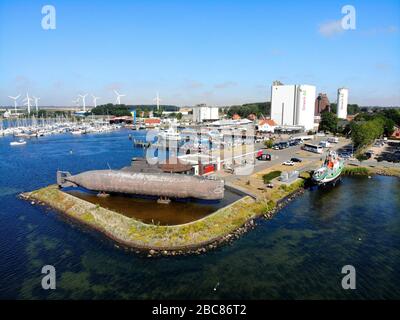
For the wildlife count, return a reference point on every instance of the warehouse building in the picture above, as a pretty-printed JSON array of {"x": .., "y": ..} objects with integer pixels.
[
  {"x": 321, "y": 104},
  {"x": 293, "y": 105},
  {"x": 202, "y": 112}
]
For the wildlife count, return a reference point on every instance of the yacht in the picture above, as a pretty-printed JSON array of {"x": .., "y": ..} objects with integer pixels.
[
  {"x": 18, "y": 143},
  {"x": 170, "y": 134}
]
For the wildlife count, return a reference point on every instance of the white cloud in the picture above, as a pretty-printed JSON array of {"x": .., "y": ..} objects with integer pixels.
[{"x": 330, "y": 28}]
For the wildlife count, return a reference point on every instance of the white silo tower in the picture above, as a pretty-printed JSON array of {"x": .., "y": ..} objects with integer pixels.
[
  {"x": 305, "y": 106},
  {"x": 342, "y": 101}
]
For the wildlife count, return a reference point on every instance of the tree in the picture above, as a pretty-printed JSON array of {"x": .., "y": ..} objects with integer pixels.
[
  {"x": 364, "y": 133},
  {"x": 388, "y": 126},
  {"x": 361, "y": 157},
  {"x": 269, "y": 143},
  {"x": 353, "y": 109},
  {"x": 392, "y": 114},
  {"x": 329, "y": 122},
  {"x": 112, "y": 110},
  {"x": 257, "y": 108}
]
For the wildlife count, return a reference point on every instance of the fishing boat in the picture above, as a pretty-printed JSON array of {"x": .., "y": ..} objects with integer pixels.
[
  {"x": 18, "y": 143},
  {"x": 330, "y": 171}
]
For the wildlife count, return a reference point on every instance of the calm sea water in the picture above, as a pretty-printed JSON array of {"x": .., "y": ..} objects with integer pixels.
[{"x": 298, "y": 254}]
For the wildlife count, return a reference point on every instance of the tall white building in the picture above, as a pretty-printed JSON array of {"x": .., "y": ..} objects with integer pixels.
[
  {"x": 202, "y": 112},
  {"x": 342, "y": 101},
  {"x": 293, "y": 105}
]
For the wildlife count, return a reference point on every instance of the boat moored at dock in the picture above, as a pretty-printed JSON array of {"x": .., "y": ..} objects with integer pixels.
[{"x": 330, "y": 170}]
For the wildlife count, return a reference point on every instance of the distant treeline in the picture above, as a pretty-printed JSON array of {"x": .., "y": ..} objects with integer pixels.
[
  {"x": 110, "y": 109},
  {"x": 124, "y": 110},
  {"x": 244, "y": 110},
  {"x": 352, "y": 109},
  {"x": 153, "y": 107}
]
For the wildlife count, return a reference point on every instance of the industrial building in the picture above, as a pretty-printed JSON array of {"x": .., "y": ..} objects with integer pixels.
[
  {"x": 321, "y": 104},
  {"x": 202, "y": 112},
  {"x": 293, "y": 105},
  {"x": 342, "y": 101}
]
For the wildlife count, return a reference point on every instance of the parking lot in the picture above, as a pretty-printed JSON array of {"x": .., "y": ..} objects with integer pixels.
[{"x": 280, "y": 156}]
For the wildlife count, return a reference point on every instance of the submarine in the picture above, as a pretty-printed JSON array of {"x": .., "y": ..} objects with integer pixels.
[{"x": 160, "y": 184}]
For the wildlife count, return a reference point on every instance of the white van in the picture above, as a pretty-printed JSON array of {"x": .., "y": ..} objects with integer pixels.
[
  {"x": 333, "y": 139},
  {"x": 324, "y": 144}
]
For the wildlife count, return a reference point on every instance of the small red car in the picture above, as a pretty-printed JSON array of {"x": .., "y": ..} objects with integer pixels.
[{"x": 262, "y": 155}]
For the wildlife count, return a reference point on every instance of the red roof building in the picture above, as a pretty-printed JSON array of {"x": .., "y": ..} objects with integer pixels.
[
  {"x": 396, "y": 132},
  {"x": 269, "y": 122},
  {"x": 152, "y": 121}
]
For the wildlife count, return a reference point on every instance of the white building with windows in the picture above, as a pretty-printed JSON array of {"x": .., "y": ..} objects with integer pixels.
[
  {"x": 293, "y": 105},
  {"x": 202, "y": 112},
  {"x": 342, "y": 101}
]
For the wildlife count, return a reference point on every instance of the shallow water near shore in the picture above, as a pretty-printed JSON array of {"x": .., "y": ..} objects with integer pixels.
[{"x": 298, "y": 254}]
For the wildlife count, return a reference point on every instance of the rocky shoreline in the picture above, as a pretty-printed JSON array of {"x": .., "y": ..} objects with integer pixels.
[
  {"x": 229, "y": 238},
  {"x": 155, "y": 251},
  {"x": 260, "y": 209}
]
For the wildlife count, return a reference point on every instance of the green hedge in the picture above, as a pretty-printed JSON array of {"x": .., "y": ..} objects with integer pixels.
[
  {"x": 355, "y": 171},
  {"x": 271, "y": 175}
]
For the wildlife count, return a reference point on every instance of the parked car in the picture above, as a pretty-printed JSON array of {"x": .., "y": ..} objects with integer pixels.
[
  {"x": 288, "y": 163},
  {"x": 269, "y": 185},
  {"x": 296, "y": 160},
  {"x": 333, "y": 139},
  {"x": 264, "y": 157},
  {"x": 368, "y": 155},
  {"x": 324, "y": 144}
]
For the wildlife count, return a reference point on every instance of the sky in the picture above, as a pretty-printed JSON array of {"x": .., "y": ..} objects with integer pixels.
[{"x": 219, "y": 52}]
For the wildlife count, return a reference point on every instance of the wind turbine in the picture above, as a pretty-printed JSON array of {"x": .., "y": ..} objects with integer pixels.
[
  {"x": 95, "y": 100},
  {"x": 36, "y": 103},
  {"x": 15, "y": 101},
  {"x": 118, "y": 96},
  {"x": 157, "y": 100},
  {"x": 83, "y": 101},
  {"x": 28, "y": 102}
]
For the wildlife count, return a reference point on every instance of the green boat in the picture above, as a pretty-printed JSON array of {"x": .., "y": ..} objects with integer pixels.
[{"x": 330, "y": 170}]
